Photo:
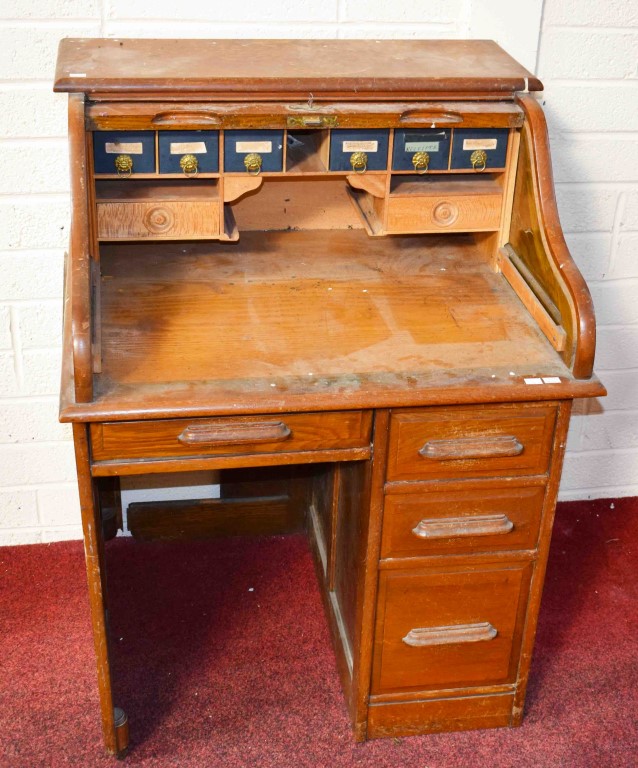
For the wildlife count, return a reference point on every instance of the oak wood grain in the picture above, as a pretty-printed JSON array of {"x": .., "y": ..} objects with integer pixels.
[
  {"x": 208, "y": 518},
  {"x": 224, "y": 67},
  {"x": 239, "y": 435},
  {"x": 494, "y": 594},
  {"x": 140, "y": 115},
  {"x": 531, "y": 427},
  {"x": 537, "y": 238},
  {"x": 441, "y": 521}
]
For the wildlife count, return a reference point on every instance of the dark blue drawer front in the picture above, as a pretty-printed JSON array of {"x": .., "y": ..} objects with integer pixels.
[
  {"x": 344, "y": 142},
  {"x": 434, "y": 141},
  {"x": 493, "y": 141},
  {"x": 267, "y": 144},
  {"x": 173, "y": 145},
  {"x": 138, "y": 145}
]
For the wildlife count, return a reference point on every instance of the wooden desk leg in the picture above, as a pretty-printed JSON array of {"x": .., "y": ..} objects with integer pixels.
[{"x": 114, "y": 720}]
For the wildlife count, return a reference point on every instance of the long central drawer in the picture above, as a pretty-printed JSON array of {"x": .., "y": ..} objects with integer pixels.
[{"x": 227, "y": 436}]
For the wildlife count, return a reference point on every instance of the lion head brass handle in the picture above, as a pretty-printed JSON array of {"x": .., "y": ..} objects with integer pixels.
[
  {"x": 188, "y": 164},
  {"x": 253, "y": 163},
  {"x": 421, "y": 161},
  {"x": 478, "y": 158},
  {"x": 124, "y": 166},
  {"x": 359, "y": 162}
]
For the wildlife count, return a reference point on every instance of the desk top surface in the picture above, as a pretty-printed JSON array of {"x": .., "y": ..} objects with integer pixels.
[
  {"x": 307, "y": 320},
  {"x": 350, "y": 68}
]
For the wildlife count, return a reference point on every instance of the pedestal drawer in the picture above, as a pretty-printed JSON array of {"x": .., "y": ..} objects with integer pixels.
[
  {"x": 238, "y": 435},
  {"x": 467, "y": 520},
  {"x": 449, "y": 629},
  {"x": 470, "y": 441}
]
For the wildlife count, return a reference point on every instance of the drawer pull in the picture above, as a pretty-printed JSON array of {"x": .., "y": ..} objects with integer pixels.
[
  {"x": 456, "y": 633},
  {"x": 253, "y": 162},
  {"x": 189, "y": 165},
  {"x": 483, "y": 525},
  {"x": 232, "y": 433},
  {"x": 171, "y": 118},
  {"x": 432, "y": 118},
  {"x": 478, "y": 158},
  {"x": 478, "y": 447},
  {"x": 359, "y": 162},
  {"x": 421, "y": 161},
  {"x": 124, "y": 166}
]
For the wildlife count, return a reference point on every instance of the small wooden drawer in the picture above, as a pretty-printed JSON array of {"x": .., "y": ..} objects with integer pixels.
[
  {"x": 468, "y": 520},
  {"x": 264, "y": 148},
  {"x": 470, "y": 441},
  {"x": 449, "y": 629},
  {"x": 468, "y": 141},
  {"x": 157, "y": 220},
  {"x": 236, "y": 435},
  {"x": 358, "y": 151},
  {"x": 138, "y": 146},
  {"x": 444, "y": 204},
  {"x": 174, "y": 146},
  {"x": 421, "y": 150}
]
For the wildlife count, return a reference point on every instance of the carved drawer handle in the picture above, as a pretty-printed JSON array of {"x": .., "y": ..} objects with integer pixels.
[
  {"x": 480, "y": 447},
  {"x": 233, "y": 433},
  {"x": 431, "y": 118},
  {"x": 456, "y": 633},
  {"x": 170, "y": 118},
  {"x": 481, "y": 525}
]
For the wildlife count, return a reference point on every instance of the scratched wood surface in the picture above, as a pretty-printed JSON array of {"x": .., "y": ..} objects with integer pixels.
[
  {"x": 303, "y": 320},
  {"x": 305, "y": 304},
  {"x": 350, "y": 67}
]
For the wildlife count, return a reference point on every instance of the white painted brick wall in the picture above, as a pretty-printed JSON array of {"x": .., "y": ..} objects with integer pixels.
[
  {"x": 590, "y": 70},
  {"x": 588, "y": 61}
]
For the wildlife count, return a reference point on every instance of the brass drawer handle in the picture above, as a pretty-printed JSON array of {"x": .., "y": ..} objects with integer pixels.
[
  {"x": 124, "y": 166},
  {"x": 359, "y": 162},
  {"x": 421, "y": 161},
  {"x": 480, "y": 447},
  {"x": 189, "y": 165},
  {"x": 312, "y": 121},
  {"x": 452, "y": 527},
  {"x": 422, "y": 637},
  {"x": 478, "y": 158},
  {"x": 234, "y": 433},
  {"x": 253, "y": 162}
]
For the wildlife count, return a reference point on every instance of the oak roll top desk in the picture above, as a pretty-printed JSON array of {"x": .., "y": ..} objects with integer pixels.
[{"x": 333, "y": 271}]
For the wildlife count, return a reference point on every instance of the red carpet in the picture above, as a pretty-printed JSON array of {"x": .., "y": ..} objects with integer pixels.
[{"x": 222, "y": 658}]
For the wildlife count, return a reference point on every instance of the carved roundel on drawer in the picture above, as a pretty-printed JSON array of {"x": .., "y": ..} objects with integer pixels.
[
  {"x": 445, "y": 214},
  {"x": 159, "y": 220}
]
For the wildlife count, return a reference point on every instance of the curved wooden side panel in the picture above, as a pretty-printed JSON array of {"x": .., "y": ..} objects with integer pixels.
[
  {"x": 537, "y": 238},
  {"x": 79, "y": 256}
]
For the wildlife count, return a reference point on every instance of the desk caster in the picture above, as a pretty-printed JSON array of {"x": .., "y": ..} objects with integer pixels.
[{"x": 121, "y": 731}]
